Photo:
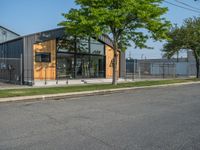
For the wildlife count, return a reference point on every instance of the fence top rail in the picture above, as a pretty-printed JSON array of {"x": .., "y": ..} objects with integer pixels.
[{"x": 10, "y": 58}]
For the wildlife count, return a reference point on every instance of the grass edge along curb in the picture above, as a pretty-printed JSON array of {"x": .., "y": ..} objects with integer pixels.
[{"x": 93, "y": 87}]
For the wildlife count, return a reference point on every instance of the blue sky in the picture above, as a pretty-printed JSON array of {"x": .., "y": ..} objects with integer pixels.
[{"x": 29, "y": 16}]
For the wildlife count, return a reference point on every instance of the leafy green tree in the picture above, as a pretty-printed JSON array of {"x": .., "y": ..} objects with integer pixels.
[
  {"x": 186, "y": 37},
  {"x": 124, "y": 21}
]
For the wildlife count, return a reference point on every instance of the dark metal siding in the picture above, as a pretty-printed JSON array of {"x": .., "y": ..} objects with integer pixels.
[
  {"x": 28, "y": 59},
  {"x": 10, "y": 61}
]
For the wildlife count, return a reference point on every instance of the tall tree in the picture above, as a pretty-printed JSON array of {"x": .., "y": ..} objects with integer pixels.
[
  {"x": 122, "y": 20},
  {"x": 186, "y": 37}
]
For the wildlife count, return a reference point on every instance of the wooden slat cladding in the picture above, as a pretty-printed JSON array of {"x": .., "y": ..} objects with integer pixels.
[
  {"x": 109, "y": 65},
  {"x": 46, "y": 70}
]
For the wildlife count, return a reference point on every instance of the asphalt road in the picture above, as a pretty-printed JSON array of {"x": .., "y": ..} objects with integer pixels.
[{"x": 150, "y": 119}]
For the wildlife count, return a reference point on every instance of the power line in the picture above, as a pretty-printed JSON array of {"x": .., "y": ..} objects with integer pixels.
[
  {"x": 189, "y": 9},
  {"x": 186, "y": 8},
  {"x": 190, "y": 6}
]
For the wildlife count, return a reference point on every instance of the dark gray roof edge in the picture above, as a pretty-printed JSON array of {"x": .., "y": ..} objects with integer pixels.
[
  {"x": 30, "y": 35},
  {"x": 43, "y": 32},
  {"x": 10, "y": 30},
  {"x": 101, "y": 38},
  {"x": 15, "y": 39}
]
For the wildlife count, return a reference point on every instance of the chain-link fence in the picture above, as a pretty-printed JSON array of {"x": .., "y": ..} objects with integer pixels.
[
  {"x": 137, "y": 69},
  {"x": 11, "y": 70}
]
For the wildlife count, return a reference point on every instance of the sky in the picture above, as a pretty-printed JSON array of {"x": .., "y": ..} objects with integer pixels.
[{"x": 30, "y": 16}]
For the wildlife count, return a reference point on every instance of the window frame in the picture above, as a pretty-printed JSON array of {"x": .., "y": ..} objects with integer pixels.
[{"x": 42, "y": 59}]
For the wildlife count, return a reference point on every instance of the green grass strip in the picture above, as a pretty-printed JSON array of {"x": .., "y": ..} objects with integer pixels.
[{"x": 81, "y": 88}]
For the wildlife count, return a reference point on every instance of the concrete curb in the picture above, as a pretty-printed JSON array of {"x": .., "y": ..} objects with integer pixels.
[{"x": 86, "y": 93}]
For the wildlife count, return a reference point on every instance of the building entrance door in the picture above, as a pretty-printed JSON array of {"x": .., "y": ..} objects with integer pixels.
[
  {"x": 82, "y": 66},
  {"x": 65, "y": 66}
]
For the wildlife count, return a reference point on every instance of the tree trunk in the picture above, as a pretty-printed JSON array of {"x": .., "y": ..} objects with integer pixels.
[
  {"x": 114, "y": 80},
  {"x": 197, "y": 67},
  {"x": 197, "y": 62}
]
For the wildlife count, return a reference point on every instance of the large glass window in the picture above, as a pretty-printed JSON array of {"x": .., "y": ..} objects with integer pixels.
[
  {"x": 97, "y": 66},
  {"x": 83, "y": 59},
  {"x": 82, "y": 66},
  {"x": 82, "y": 45},
  {"x": 96, "y": 47},
  {"x": 65, "y": 66},
  {"x": 66, "y": 45}
]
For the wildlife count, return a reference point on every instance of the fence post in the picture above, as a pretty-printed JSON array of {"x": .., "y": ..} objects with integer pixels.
[
  {"x": 174, "y": 70},
  {"x": 163, "y": 71},
  {"x": 133, "y": 70},
  {"x": 139, "y": 71},
  {"x": 67, "y": 78},
  {"x": 45, "y": 75},
  {"x": 56, "y": 80},
  {"x": 21, "y": 70},
  {"x": 188, "y": 71}
]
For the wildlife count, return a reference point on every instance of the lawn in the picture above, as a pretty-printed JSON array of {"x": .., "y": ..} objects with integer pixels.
[{"x": 80, "y": 88}]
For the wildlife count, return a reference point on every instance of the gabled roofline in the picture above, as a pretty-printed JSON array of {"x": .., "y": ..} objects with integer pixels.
[
  {"x": 103, "y": 38},
  {"x": 27, "y": 35},
  {"x": 9, "y": 30}
]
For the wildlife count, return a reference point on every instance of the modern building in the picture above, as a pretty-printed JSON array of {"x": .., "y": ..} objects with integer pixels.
[
  {"x": 6, "y": 34},
  {"x": 53, "y": 55}
]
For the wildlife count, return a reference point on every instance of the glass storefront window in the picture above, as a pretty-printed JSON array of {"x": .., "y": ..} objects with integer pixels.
[
  {"x": 82, "y": 45},
  {"x": 82, "y": 66},
  {"x": 97, "y": 66},
  {"x": 66, "y": 45},
  {"x": 85, "y": 60},
  {"x": 96, "y": 47},
  {"x": 65, "y": 66}
]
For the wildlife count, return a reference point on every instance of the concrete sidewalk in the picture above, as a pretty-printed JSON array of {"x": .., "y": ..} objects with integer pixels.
[
  {"x": 86, "y": 93},
  {"x": 52, "y": 83},
  {"x": 48, "y": 83},
  {"x": 60, "y": 83},
  {"x": 4, "y": 85},
  {"x": 74, "y": 82}
]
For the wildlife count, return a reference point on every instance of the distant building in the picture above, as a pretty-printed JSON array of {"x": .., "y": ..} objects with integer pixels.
[
  {"x": 190, "y": 56},
  {"x": 163, "y": 67},
  {"x": 6, "y": 34}
]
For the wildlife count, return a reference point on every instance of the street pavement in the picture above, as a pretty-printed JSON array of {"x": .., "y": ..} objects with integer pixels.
[{"x": 166, "y": 118}]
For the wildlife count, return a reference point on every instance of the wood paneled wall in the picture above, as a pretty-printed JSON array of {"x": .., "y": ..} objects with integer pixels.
[
  {"x": 109, "y": 65},
  {"x": 41, "y": 68}
]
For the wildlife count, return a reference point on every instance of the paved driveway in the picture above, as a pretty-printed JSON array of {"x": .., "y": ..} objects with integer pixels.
[
  {"x": 7, "y": 85},
  {"x": 151, "y": 119},
  {"x": 4, "y": 86}
]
